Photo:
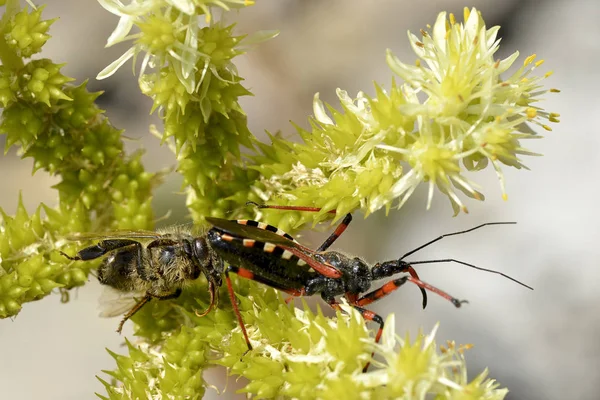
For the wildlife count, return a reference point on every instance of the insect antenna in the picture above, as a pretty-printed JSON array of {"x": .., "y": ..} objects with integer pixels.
[
  {"x": 469, "y": 265},
  {"x": 437, "y": 239},
  {"x": 458, "y": 261}
]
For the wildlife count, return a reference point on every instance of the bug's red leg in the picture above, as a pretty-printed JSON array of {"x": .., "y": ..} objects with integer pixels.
[
  {"x": 247, "y": 274},
  {"x": 368, "y": 316},
  {"x": 389, "y": 268},
  {"x": 396, "y": 283},
  {"x": 236, "y": 310},
  {"x": 263, "y": 226},
  {"x": 457, "y": 303},
  {"x": 414, "y": 274},
  {"x": 289, "y": 208},
  {"x": 337, "y": 233},
  {"x": 332, "y": 238}
]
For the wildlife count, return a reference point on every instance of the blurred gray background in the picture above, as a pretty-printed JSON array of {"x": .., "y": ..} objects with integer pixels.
[{"x": 541, "y": 344}]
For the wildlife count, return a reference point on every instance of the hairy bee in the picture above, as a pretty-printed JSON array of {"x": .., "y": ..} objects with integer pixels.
[{"x": 142, "y": 265}]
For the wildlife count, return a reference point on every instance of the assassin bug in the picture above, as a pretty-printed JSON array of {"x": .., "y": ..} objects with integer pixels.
[{"x": 270, "y": 256}]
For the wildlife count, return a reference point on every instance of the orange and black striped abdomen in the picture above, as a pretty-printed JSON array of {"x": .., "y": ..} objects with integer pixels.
[{"x": 261, "y": 251}]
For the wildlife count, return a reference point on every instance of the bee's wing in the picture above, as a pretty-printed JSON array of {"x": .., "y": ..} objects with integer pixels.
[
  {"x": 113, "y": 235},
  {"x": 114, "y": 302}
]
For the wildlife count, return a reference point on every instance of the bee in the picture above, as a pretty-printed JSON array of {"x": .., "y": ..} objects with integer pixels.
[{"x": 143, "y": 265}]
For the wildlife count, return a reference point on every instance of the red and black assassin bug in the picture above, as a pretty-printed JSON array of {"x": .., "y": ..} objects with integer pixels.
[{"x": 270, "y": 256}]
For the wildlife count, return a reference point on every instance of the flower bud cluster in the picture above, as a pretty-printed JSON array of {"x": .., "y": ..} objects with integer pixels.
[
  {"x": 454, "y": 112},
  {"x": 195, "y": 88},
  {"x": 60, "y": 127}
]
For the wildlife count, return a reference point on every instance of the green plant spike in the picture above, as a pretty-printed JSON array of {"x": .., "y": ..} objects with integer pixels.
[{"x": 451, "y": 112}]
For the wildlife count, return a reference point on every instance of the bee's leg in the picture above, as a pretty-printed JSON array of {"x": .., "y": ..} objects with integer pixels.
[
  {"x": 213, "y": 300},
  {"x": 149, "y": 296},
  {"x": 135, "y": 309},
  {"x": 100, "y": 249},
  {"x": 105, "y": 246}
]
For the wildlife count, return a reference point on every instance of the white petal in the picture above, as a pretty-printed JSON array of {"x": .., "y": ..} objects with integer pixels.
[
  {"x": 319, "y": 111},
  {"x": 185, "y": 6},
  {"x": 115, "y": 65},
  {"x": 112, "y": 6},
  {"x": 256, "y": 38},
  {"x": 491, "y": 35},
  {"x": 507, "y": 62},
  {"x": 420, "y": 51},
  {"x": 439, "y": 31},
  {"x": 123, "y": 28},
  {"x": 472, "y": 25},
  {"x": 190, "y": 55}
]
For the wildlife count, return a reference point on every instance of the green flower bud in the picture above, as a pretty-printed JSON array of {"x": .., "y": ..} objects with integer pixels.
[
  {"x": 27, "y": 33},
  {"x": 159, "y": 34},
  {"x": 167, "y": 92},
  {"x": 21, "y": 124},
  {"x": 82, "y": 110},
  {"x": 41, "y": 81},
  {"x": 8, "y": 85}
]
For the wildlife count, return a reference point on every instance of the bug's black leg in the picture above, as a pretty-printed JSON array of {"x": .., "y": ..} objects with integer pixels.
[{"x": 371, "y": 316}]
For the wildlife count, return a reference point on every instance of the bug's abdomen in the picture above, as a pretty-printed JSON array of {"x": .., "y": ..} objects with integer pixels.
[{"x": 264, "y": 259}]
